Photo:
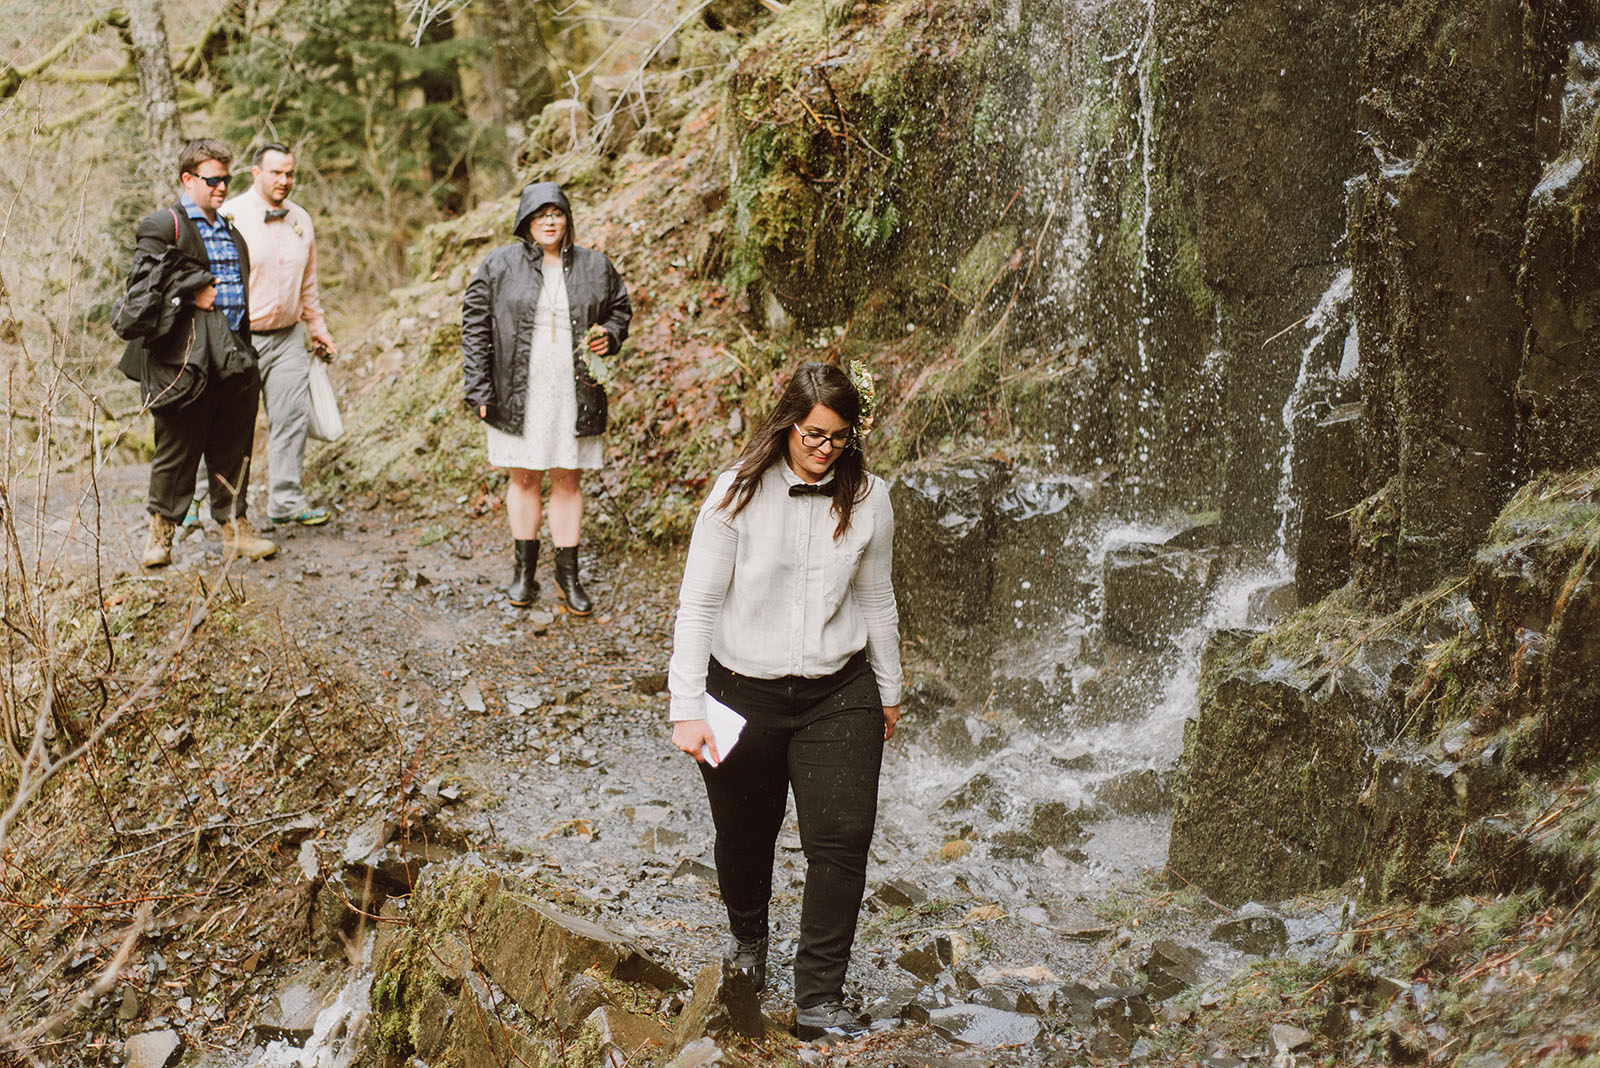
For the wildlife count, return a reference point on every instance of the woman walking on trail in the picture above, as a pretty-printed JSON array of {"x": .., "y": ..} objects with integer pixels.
[
  {"x": 787, "y": 616},
  {"x": 538, "y": 317}
]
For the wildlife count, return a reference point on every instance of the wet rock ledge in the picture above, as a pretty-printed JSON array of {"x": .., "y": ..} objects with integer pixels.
[
  {"x": 1412, "y": 750},
  {"x": 484, "y": 968}
]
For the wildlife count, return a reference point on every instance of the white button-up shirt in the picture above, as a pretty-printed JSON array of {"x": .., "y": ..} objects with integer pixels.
[{"x": 771, "y": 592}]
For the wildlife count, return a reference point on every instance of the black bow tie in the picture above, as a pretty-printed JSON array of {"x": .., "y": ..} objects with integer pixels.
[
  {"x": 813, "y": 489},
  {"x": 273, "y": 214}
]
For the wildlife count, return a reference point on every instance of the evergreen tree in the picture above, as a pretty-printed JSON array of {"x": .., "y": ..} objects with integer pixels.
[{"x": 343, "y": 82}]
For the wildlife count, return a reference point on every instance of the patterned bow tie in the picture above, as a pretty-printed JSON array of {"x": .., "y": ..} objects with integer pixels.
[
  {"x": 274, "y": 214},
  {"x": 810, "y": 489}
]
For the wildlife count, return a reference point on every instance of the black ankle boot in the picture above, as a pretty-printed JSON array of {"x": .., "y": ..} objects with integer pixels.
[
  {"x": 567, "y": 584},
  {"x": 524, "y": 587}
]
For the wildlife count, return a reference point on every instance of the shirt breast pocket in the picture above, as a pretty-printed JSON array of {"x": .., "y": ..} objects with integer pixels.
[{"x": 839, "y": 570}]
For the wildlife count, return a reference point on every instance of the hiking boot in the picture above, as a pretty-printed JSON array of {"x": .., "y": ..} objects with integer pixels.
[
  {"x": 240, "y": 539},
  {"x": 747, "y": 957},
  {"x": 830, "y": 1020},
  {"x": 158, "y": 544}
]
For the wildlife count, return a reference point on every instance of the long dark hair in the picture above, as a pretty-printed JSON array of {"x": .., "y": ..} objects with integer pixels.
[{"x": 812, "y": 384}]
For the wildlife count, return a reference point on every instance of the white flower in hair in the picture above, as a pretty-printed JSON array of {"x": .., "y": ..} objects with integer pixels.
[{"x": 867, "y": 391}]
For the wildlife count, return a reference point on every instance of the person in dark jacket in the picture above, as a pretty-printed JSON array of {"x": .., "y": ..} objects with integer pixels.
[
  {"x": 538, "y": 320},
  {"x": 185, "y": 312}
]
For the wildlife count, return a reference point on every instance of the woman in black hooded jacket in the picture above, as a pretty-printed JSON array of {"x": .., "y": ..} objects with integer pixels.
[{"x": 537, "y": 320}]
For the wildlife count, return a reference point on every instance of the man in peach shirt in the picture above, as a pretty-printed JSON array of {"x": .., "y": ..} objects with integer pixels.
[{"x": 285, "y": 309}]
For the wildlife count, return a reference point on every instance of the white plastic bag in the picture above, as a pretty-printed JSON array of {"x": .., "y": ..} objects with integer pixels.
[{"x": 326, "y": 423}]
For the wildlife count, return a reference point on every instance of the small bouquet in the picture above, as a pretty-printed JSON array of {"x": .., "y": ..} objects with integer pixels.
[{"x": 599, "y": 371}]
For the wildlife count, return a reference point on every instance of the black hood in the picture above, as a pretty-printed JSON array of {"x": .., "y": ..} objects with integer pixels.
[{"x": 536, "y": 196}]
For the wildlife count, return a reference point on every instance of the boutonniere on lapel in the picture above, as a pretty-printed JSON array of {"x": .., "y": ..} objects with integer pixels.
[{"x": 297, "y": 231}]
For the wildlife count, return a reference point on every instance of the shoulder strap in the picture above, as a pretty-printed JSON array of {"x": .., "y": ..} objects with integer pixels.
[{"x": 174, "y": 225}]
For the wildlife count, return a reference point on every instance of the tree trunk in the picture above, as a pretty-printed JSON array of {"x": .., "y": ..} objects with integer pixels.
[{"x": 147, "y": 30}]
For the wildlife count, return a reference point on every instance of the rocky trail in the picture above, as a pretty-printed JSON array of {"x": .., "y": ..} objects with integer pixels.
[
  {"x": 1015, "y": 913},
  {"x": 998, "y": 915}
]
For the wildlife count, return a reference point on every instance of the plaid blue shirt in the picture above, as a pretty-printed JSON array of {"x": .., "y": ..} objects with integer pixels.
[{"x": 224, "y": 257}]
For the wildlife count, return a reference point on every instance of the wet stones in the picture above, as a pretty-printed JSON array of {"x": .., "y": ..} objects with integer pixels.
[
  {"x": 981, "y": 1025},
  {"x": 927, "y": 961},
  {"x": 717, "y": 1004},
  {"x": 1262, "y": 935},
  {"x": 611, "y": 1038},
  {"x": 897, "y": 894},
  {"x": 1286, "y": 1038},
  {"x": 1055, "y": 823},
  {"x": 1171, "y": 969},
  {"x": 1122, "y": 1012},
  {"x": 1271, "y": 603},
  {"x": 1141, "y": 792},
  {"x": 480, "y": 942}
]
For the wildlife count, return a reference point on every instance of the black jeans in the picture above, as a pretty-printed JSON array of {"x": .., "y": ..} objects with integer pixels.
[
  {"x": 219, "y": 425},
  {"x": 824, "y": 739}
]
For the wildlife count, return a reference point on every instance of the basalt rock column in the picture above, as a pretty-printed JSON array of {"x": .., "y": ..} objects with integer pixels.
[{"x": 1454, "y": 99}]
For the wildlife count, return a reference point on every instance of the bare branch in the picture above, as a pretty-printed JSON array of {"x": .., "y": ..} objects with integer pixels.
[{"x": 12, "y": 79}]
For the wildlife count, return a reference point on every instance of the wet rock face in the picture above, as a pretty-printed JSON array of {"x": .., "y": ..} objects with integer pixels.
[
  {"x": 1329, "y": 474},
  {"x": 1153, "y": 591},
  {"x": 1263, "y": 102},
  {"x": 944, "y": 558},
  {"x": 1454, "y": 116},
  {"x": 1266, "y": 799},
  {"x": 1558, "y": 395},
  {"x": 1535, "y": 588},
  {"x": 981, "y": 553}
]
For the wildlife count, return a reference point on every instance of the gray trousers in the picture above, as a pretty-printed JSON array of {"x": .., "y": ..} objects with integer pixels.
[{"x": 286, "y": 395}]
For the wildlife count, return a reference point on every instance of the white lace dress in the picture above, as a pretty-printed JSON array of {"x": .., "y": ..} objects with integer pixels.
[{"x": 551, "y": 412}]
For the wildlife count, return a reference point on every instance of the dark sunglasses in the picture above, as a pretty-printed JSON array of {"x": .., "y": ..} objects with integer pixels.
[{"x": 215, "y": 180}]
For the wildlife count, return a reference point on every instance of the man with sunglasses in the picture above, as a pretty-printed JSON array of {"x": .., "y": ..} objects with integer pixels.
[
  {"x": 200, "y": 351},
  {"x": 285, "y": 311}
]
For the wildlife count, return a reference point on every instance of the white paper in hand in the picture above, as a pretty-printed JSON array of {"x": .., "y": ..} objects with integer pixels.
[{"x": 725, "y": 726}]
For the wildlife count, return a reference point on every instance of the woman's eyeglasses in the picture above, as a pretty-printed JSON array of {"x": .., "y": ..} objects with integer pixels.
[
  {"x": 215, "y": 180},
  {"x": 549, "y": 213},
  {"x": 814, "y": 441}
]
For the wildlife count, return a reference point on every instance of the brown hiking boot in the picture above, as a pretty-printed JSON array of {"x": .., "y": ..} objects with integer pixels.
[
  {"x": 158, "y": 544},
  {"x": 240, "y": 539}
]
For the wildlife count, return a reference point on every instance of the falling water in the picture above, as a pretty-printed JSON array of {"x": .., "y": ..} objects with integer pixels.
[
  {"x": 1144, "y": 58},
  {"x": 1319, "y": 323}
]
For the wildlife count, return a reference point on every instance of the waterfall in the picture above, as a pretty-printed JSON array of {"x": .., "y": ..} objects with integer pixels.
[
  {"x": 1319, "y": 324},
  {"x": 1143, "y": 59}
]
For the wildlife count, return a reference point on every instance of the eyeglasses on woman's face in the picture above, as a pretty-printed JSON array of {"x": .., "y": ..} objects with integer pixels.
[
  {"x": 814, "y": 440},
  {"x": 548, "y": 213}
]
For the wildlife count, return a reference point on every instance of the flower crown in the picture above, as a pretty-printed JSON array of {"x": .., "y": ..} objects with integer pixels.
[{"x": 867, "y": 391}]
